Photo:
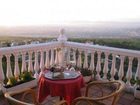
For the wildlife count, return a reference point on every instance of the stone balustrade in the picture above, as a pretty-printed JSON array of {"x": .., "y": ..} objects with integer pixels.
[
  {"x": 106, "y": 62},
  {"x": 111, "y": 63},
  {"x": 31, "y": 56}
]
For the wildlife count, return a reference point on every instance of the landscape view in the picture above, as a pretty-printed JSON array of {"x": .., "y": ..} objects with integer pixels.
[
  {"x": 100, "y": 20},
  {"x": 115, "y": 34},
  {"x": 69, "y": 52}
]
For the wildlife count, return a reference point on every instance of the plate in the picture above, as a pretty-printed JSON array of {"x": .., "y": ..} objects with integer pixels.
[{"x": 66, "y": 75}]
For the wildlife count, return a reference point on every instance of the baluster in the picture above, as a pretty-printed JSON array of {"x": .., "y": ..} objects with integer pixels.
[
  {"x": 1, "y": 70},
  {"x": 113, "y": 68},
  {"x": 23, "y": 62},
  {"x": 42, "y": 62},
  {"x": 68, "y": 56},
  {"x": 62, "y": 57},
  {"x": 36, "y": 65},
  {"x": 105, "y": 70},
  {"x": 85, "y": 60},
  {"x": 92, "y": 67},
  {"x": 56, "y": 57},
  {"x": 74, "y": 56},
  {"x": 121, "y": 69},
  {"x": 98, "y": 66},
  {"x": 9, "y": 71},
  {"x": 30, "y": 67},
  {"x": 47, "y": 63},
  {"x": 52, "y": 57},
  {"x": 138, "y": 70},
  {"x": 79, "y": 63},
  {"x": 129, "y": 72},
  {"x": 16, "y": 71}
]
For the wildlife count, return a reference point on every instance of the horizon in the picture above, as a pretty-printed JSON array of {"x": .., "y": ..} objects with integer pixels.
[{"x": 78, "y": 24}]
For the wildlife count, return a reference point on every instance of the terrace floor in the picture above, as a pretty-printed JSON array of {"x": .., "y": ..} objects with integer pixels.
[{"x": 125, "y": 99}]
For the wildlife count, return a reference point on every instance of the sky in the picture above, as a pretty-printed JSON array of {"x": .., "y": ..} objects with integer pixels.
[{"x": 45, "y": 12}]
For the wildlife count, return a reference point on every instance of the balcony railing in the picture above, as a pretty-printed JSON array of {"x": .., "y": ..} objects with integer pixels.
[
  {"x": 105, "y": 62},
  {"x": 122, "y": 64}
]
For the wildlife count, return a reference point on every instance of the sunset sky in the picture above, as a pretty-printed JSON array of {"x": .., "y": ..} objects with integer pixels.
[{"x": 44, "y": 12}]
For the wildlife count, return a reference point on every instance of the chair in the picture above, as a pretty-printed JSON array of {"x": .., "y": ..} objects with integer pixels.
[
  {"x": 101, "y": 93},
  {"x": 10, "y": 96}
]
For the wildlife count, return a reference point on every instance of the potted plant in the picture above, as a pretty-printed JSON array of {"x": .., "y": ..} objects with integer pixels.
[
  {"x": 137, "y": 88},
  {"x": 24, "y": 80},
  {"x": 87, "y": 74},
  {"x": 26, "y": 76}
]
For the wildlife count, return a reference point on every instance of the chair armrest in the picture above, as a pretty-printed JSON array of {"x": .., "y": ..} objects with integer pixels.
[
  {"x": 63, "y": 102},
  {"x": 32, "y": 92},
  {"x": 26, "y": 91},
  {"x": 89, "y": 101},
  {"x": 9, "y": 98},
  {"x": 11, "y": 93},
  {"x": 120, "y": 84}
]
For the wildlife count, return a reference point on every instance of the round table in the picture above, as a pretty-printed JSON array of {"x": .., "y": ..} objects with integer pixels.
[{"x": 69, "y": 89}]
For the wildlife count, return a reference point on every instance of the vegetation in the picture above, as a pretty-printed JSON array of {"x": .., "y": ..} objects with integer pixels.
[
  {"x": 138, "y": 83},
  {"x": 133, "y": 43},
  {"x": 22, "y": 78},
  {"x": 119, "y": 43},
  {"x": 26, "y": 76},
  {"x": 12, "y": 81},
  {"x": 6, "y": 41},
  {"x": 86, "y": 72}
]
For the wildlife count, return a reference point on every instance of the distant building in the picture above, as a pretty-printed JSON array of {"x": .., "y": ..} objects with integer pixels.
[
  {"x": 21, "y": 43},
  {"x": 35, "y": 42},
  {"x": 14, "y": 44},
  {"x": 89, "y": 42},
  {"x": 3, "y": 44}
]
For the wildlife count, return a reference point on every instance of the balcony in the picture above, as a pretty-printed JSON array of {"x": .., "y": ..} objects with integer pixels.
[{"x": 104, "y": 62}]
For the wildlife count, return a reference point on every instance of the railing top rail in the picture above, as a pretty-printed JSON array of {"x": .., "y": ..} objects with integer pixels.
[
  {"x": 30, "y": 47},
  {"x": 74, "y": 45},
  {"x": 117, "y": 51}
]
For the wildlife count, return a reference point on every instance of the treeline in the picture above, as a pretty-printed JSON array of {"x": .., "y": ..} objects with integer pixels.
[{"x": 119, "y": 43}]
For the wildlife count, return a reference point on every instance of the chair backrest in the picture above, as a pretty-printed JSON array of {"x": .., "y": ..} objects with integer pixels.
[
  {"x": 85, "y": 101},
  {"x": 100, "y": 100},
  {"x": 13, "y": 101}
]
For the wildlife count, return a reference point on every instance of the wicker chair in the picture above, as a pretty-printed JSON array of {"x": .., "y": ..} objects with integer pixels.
[
  {"x": 101, "y": 93},
  {"x": 14, "y": 101}
]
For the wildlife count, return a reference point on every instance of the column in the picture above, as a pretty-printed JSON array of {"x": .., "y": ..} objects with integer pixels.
[
  {"x": 105, "y": 70},
  {"x": 113, "y": 68},
  {"x": 36, "y": 65},
  {"x": 23, "y": 62},
  {"x": 47, "y": 63},
  {"x": 98, "y": 66},
  {"x": 1, "y": 69},
  {"x": 129, "y": 72},
  {"x": 121, "y": 69},
  {"x": 52, "y": 57},
  {"x": 9, "y": 72},
  {"x": 16, "y": 70},
  {"x": 30, "y": 65},
  {"x": 85, "y": 60}
]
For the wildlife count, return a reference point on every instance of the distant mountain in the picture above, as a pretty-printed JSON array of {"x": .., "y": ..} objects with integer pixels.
[{"x": 81, "y": 29}]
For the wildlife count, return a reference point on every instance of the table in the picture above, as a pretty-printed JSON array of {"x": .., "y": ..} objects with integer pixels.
[{"x": 69, "y": 89}]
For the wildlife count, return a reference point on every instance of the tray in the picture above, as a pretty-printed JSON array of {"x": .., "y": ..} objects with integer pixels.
[{"x": 66, "y": 75}]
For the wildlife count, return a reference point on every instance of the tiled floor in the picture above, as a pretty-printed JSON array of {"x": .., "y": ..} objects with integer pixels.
[
  {"x": 125, "y": 99},
  {"x": 128, "y": 99}
]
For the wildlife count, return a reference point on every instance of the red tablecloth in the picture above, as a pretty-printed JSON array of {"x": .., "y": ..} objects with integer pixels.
[{"x": 68, "y": 89}]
